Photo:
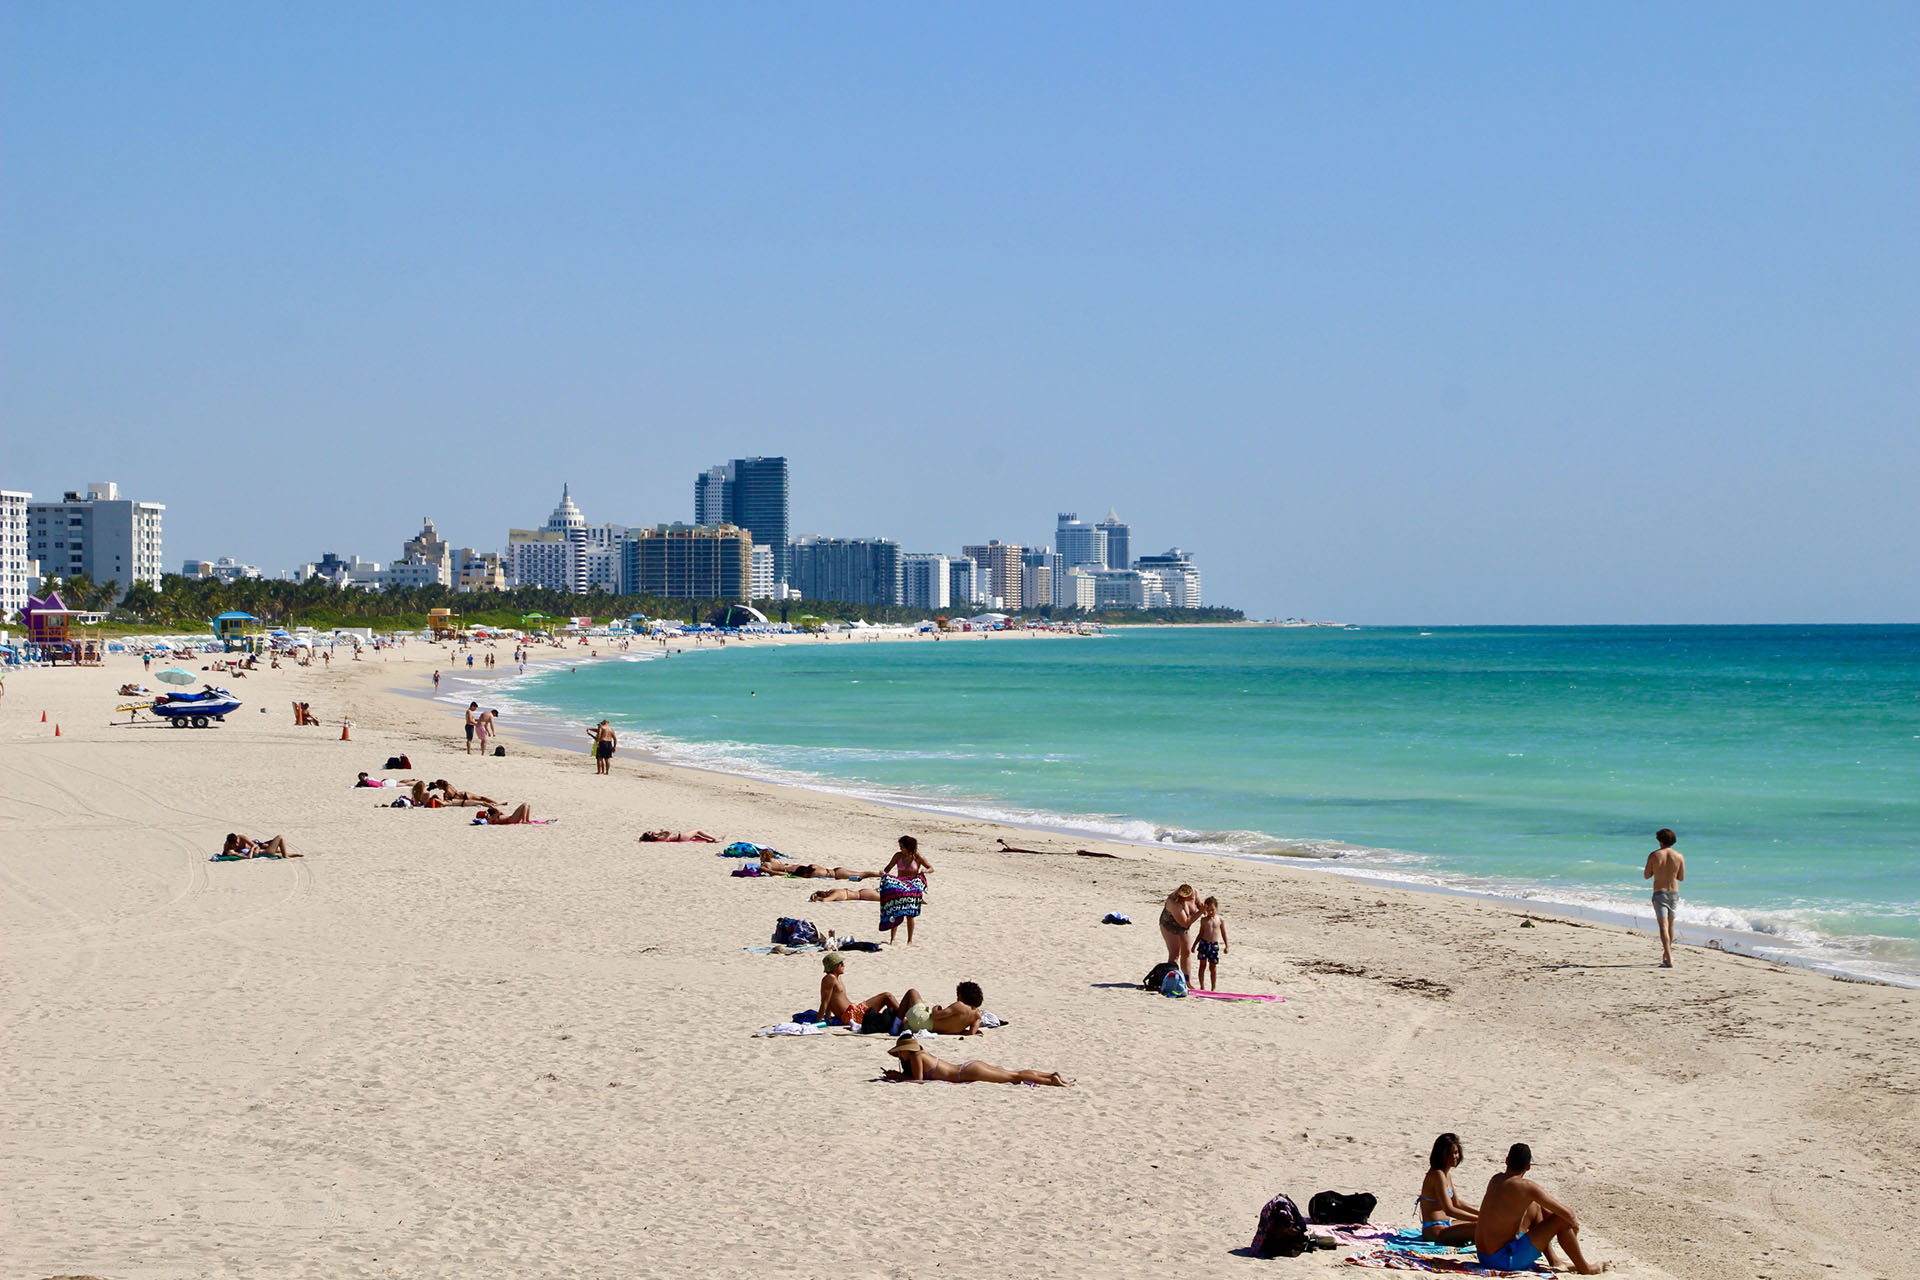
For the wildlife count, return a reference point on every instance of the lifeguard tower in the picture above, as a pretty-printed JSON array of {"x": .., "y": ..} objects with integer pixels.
[
  {"x": 62, "y": 634},
  {"x": 232, "y": 625},
  {"x": 442, "y": 625}
]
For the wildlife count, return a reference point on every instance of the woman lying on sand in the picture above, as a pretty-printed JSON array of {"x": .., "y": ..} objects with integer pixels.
[
  {"x": 238, "y": 846},
  {"x": 450, "y": 795},
  {"x": 773, "y": 864},
  {"x": 918, "y": 1066},
  {"x": 1444, "y": 1217},
  {"x": 492, "y": 817},
  {"x": 677, "y": 837},
  {"x": 845, "y": 895}
]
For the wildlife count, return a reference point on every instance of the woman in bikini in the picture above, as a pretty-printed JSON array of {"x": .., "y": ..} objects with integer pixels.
[
  {"x": 451, "y": 795},
  {"x": 772, "y": 864},
  {"x": 844, "y": 895},
  {"x": 1177, "y": 915},
  {"x": 492, "y": 817},
  {"x": 903, "y": 887},
  {"x": 1444, "y": 1217},
  {"x": 676, "y": 837},
  {"x": 918, "y": 1066}
]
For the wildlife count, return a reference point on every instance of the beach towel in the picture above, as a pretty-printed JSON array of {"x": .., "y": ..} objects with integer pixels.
[
  {"x": 1432, "y": 1264},
  {"x": 794, "y": 1029},
  {"x": 784, "y": 951},
  {"x": 1230, "y": 995},
  {"x": 744, "y": 849},
  {"x": 899, "y": 899}
]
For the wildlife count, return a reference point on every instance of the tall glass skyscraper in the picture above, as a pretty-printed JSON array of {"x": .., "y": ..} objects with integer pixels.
[
  {"x": 750, "y": 493},
  {"x": 1119, "y": 540}
]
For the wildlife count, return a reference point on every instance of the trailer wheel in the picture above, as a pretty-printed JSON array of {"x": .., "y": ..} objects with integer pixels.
[{"x": 199, "y": 722}]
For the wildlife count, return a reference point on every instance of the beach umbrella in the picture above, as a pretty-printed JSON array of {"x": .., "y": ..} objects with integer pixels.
[{"x": 174, "y": 675}]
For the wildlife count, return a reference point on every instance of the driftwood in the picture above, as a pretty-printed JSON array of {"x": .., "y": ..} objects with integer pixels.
[{"x": 1080, "y": 853}]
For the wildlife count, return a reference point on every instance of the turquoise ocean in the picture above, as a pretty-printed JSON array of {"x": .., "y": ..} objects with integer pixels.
[{"x": 1530, "y": 763}]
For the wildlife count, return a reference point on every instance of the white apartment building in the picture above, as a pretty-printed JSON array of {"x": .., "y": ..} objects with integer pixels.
[
  {"x": 225, "y": 569},
  {"x": 760, "y": 572},
  {"x": 926, "y": 581},
  {"x": 14, "y": 560},
  {"x": 963, "y": 583},
  {"x": 1075, "y": 590},
  {"x": 98, "y": 533},
  {"x": 1179, "y": 577}
]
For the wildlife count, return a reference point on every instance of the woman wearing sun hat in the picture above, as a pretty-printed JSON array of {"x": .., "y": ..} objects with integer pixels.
[{"x": 917, "y": 1065}]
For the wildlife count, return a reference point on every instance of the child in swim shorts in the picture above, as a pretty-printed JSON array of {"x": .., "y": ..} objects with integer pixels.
[{"x": 1213, "y": 938}]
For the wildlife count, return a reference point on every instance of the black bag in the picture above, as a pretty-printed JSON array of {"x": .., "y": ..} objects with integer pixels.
[
  {"x": 397, "y": 762},
  {"x": 1157, "y": 975},
  {"x": 1331, "y": 1209},
  {"x": 1282, "y": 1233},
  {"x": 877, "y": 1020},
  {"x": 499, "y": 751}
]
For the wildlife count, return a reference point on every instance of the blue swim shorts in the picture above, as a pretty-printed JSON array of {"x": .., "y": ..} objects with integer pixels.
[{"x": 1517, "y": 1254}]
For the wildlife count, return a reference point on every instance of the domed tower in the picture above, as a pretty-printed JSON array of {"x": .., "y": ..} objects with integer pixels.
[{"x": 566, "y": 515}]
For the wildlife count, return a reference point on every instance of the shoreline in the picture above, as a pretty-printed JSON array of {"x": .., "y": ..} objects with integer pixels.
[
  {"x": 431, "y": 1049},
  {"x": 549, "y": 727}
]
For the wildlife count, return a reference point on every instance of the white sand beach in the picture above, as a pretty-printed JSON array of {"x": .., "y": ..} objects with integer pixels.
[{"x": 432, "y": 1049}]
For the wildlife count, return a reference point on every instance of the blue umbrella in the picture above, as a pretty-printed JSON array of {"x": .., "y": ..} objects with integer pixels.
[{"x": 174, "y": 675}]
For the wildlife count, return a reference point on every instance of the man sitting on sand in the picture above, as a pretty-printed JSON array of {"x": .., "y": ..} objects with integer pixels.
[
  {"x": 238, "y": 846},
  {"x": 835, "y": 1006},
  {"x": 1519, "y": 1222},
  {"x": 676, "y": 837}
]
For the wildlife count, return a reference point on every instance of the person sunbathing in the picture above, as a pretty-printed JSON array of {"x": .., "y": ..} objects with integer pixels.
[
  {"x": 452, "y": 795},
  {"x": 918, "y": 1066},
  {"x": 868, "y": 894},
  {"x": 773, "y": 864},
  {"x": 239, "y": 846},
  {"x": 365, "y": 781},
  {"x": 1444, "y": 1217},
  {"x": 492, "y": 817},
  {"x": 676, "y": 837}
]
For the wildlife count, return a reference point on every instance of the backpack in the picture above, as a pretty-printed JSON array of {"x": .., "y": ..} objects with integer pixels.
[
  {"x": 1174, "y": 985},
  {"x": 1282, "y": 1232},
  {"x": 795, "y": 933},
  {"x": 397, "y": 762},
  {"x": 1330, "y": 1208},
  {"x": 1157, "y": 975},
  {"x": 499, "y": 751},
  {"x": 741, "y": 849}
]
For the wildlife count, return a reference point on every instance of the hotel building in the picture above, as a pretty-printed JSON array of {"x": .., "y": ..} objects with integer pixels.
[
  {"x": 98, "y": 533},
  {"x": 689, "y": 562},
  {"x": 14, "y": 560}
]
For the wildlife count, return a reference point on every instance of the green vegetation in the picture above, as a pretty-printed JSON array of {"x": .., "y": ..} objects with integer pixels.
[{"x": 185, "y": 604}]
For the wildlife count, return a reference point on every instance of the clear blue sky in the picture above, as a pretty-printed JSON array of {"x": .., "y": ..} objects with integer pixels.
[{"x": 1389, "y": 312}]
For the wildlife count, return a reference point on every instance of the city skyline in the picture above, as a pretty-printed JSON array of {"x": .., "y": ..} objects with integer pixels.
[{"x": 1562, "y": 314}]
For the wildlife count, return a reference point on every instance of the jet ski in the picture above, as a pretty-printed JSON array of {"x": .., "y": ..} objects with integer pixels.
[{"x": 195, "y": 709}]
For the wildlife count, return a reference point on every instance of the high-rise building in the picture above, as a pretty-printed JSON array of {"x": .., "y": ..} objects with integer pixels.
[
  {"x": 1119, "y": 589},
  {"x": 689, "y": 562},
  {"x": 761, "y": 577},
  {"x": 1041, "y": 571},
  {"x": 999, "y": 571},
  {"x": 13, "y": 553},
  {"x": 603, "y": 556},
  {"x": 1079, "y": 591},
  {"x": 1119, "y": 540},
  {"x": 925, "y": 581},
  {"x": 850, "y": 570},
  {"x": 1080, "y": 545},
  {"x": 1179, "y": 577},
  {"x": 750, "y": 493},
  {"x": 554, "y": 557},
  {"x": 98, "y": 533},
  {"x": 713, "y": 496},
  {"x": 963, "y": 582},
  {"x": 478, "y": 570},
  {"x": 425, "y": 560}
]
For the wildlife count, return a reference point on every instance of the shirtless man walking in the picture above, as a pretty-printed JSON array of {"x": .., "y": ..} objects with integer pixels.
[
  {"x": 1519, "y": 1222},
  {"x": 1666, "y": 868}
]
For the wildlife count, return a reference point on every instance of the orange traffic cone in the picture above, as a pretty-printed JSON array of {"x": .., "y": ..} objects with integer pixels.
[
  {"x": 56, "y": 731},
  {"x": 343, "y": 732},
  {"x": 43, "y": 717}
]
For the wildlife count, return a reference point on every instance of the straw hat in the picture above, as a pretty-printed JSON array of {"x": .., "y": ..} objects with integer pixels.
[{"x": 905, "y": 1044}]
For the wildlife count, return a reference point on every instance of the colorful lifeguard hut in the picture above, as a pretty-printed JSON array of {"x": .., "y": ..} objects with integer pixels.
[
  {"x": 232, "y": 625},
  {"x": 62, "y": 634},
  {"x": 442, "y": 625}
]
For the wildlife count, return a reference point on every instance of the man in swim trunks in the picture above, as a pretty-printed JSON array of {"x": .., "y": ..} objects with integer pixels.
[
  {"x": 473, "y": 712},
  {"x": 1666, "y": 868},
  {"x": 1520, "y": 1223}
]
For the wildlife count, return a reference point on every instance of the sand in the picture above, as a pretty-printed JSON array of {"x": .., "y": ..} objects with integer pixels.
[{"x": 430, "y": 1049}]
